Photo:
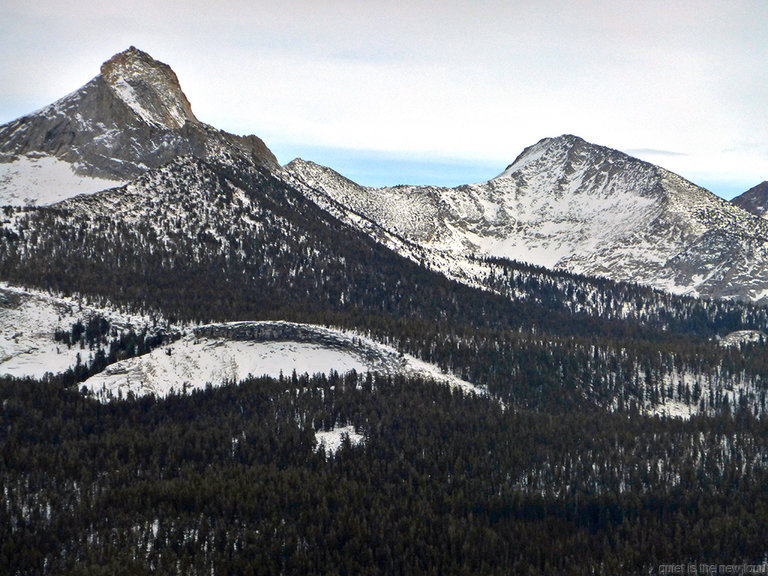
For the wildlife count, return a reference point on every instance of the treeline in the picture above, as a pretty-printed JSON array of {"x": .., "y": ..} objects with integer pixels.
[
  {"x": 203, "y": 242},
  {"x": 610, "y": 299},
  {"x": 215, "y": 243},
  {"x": 553, "y": 375},
  {"x": 229, "y": 480}
]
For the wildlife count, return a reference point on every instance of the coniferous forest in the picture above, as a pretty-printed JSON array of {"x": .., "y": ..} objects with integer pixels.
[
  {"x": 229, "y": 480},
  {"x": 563, "y": 468}
]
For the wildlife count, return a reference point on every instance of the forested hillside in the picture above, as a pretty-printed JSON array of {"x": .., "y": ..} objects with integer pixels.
[
  {"x": 230, "y": 480},
  {"x": 208, "y": 241}
]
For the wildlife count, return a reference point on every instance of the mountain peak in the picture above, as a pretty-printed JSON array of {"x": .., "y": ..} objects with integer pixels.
[
  {"x": 542, "y": 147},
  {"x": 148, "y": 87},
  {"x": 754, "y": 200},
  {"x": 573, "y": 153},
  {"x": 130, "y": 118}
]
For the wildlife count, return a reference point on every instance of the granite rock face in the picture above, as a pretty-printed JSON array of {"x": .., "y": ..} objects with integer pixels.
[
  {"x": 132, "y": 117},
  {"x": 149, "y": 88},
  {"x": 754, "y": 200}
]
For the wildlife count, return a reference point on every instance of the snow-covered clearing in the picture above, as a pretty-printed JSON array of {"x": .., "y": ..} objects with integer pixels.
[
  {"x": 331, "y": 440},
  {"x": 211, "y": 354},
  {"x": 192, "y": 363},
  {"x": 28, "y": 321}
]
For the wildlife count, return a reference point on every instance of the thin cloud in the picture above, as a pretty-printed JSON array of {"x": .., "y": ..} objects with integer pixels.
[{"x": 653, "y": 152}]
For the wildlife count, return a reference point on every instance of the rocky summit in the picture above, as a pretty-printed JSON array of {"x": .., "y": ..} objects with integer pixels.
[
  {"x": 567, "y": 204},
  {"x": 149, "y": 88},
  {"x": 132, "y": 117}
]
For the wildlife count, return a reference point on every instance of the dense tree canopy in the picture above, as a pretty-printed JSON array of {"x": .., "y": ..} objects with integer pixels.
[{"x": 229, "y": 479}]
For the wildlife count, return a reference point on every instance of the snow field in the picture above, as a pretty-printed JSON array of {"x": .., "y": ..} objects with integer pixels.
[{"x": 39, "y": 179}]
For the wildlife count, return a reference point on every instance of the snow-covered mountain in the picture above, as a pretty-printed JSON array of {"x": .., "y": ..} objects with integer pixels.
[
  {"x": 563, "y": 204},
  {"x": 496, "y": 404},
  {"x": 132, "y": 117},
  {"x": 754, "y": 200},
  {"x": 567, "y": 204}
]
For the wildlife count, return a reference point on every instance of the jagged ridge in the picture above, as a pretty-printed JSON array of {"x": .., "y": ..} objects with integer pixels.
[{"x": 568, "y": 204}]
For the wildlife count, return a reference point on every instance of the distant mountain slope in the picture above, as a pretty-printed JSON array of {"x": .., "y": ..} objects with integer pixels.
[
  {"x": 130, "y": 118},
  {"x": 224, "y": 240},
  {"x": 568, "y": 204},
  {"x": 754, "y": 200},
  {"x": 221, "y": 237}
]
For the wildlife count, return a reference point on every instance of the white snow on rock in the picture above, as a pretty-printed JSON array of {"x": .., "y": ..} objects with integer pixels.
[
  {"x": 148, "y": 87},
  {"x": 192, "y": 363},
  {"x": 674, "y": 409},
  {"x": 742, "y": 337},
  {"x": 564, "y": 204},
  {"x": 40, "y": 179},
  {"x": 221, "y": 353}
]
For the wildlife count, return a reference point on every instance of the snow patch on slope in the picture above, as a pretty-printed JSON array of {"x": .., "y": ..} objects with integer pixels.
[
  {"x": 673, "y": 409},
  {"x": 742, "y": 337},
  {"x": 28, "y": 321},
  {"x": 192, "y": 363},
  {"x": 39, "y": 179},
  {"x": 220, "y": 353},
  {"x": 27, "y": 347},
  {"x": 530, "y": 154},
  {"x": 330, "y": 441}
]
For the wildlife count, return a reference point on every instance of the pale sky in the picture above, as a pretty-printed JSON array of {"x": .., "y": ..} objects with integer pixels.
[{"x": 445, "y": 92}]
